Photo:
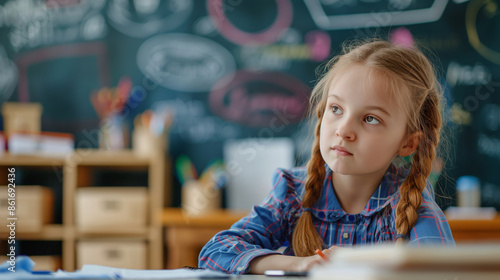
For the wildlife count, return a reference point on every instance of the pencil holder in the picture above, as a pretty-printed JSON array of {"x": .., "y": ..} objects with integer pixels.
[
  {"x": 198, "y": 198},
  {"x": 146, "y": 144},
  {"x": 113, "y": 134}
]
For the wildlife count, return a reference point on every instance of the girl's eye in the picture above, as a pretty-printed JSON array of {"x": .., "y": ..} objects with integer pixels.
[
  {"x": 336, "y": 110},
  {"x": 372, "y": 120}
]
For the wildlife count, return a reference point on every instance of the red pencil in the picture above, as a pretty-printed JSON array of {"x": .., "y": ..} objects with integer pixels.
[{"x": 320, "y": 253}]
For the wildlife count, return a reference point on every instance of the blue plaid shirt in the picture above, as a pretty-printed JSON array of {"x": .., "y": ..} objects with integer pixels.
[{"x": 270, "y": 225}]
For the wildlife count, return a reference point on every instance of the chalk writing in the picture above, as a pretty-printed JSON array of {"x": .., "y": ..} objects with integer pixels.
[
  {"x": 260, "y": 99},
  {"x": 142, "y": 18},
  {"x": 184, "y": 62}
]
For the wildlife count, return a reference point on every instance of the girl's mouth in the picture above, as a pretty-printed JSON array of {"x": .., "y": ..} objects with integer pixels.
[{"x": 341, "y": 151}]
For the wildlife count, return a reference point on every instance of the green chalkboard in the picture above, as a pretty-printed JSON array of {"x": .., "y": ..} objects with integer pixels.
[{"x": 229, "y": 69}]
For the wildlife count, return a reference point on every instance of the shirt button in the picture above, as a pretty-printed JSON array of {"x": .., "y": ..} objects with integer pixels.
[
  {"x": 345, "y": 235},
  {"x": 352, "y": 218},
  {"x": 321, "y": 215}
]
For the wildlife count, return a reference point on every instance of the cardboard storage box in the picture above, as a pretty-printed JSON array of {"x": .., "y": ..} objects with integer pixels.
[
  {"x": 21, "y": 117},
  {"x": 50, "y": 263},
  {"x": 34, "y": 207},
  {"x": 47, "y": 263},
  {"x": 129, "y": 254},
  {"x": 111, "y": 208}
]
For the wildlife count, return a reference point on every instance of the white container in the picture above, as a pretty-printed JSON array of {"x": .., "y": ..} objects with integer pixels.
[
  {"x": 34, "y": 207},
  {"x": 468, "y": 192},
  {"x": 129, "y": 254},
  {"x": 250, "y": 164},
  {"x": 104, "y": 209}
]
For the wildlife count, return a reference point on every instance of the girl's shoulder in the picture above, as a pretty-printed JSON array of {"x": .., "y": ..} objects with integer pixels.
[
  {"x": 398, "y": 175},
  {"x": 293, "y": 176},
  {"x": 289, "y": 181}
]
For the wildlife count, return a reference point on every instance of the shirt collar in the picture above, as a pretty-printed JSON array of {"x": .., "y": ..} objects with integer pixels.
[{"x": 327, "y": 208}]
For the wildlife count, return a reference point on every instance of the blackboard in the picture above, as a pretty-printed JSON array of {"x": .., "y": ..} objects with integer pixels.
[{"x": 238, "y": 68}]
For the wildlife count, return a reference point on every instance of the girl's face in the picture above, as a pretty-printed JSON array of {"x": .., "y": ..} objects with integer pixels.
[{"x": 363, "y": 128}]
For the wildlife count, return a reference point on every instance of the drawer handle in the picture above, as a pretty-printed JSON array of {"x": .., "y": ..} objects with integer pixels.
[
  {"x": 111, "y": 205},
  {"x": 113, "y": 254}
]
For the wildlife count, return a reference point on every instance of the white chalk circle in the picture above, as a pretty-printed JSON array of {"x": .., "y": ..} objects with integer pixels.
[
  {"x": 142, "y": 18},
  {"x": 8, "y": 76},
  {"x": 94, "y": 27},
  {"x": 184, "y": 62}
]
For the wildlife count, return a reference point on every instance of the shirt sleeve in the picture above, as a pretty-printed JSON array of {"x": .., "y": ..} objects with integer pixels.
[
  {"x": 258, "y": 234},
  {"x": 431, "y": 228}
]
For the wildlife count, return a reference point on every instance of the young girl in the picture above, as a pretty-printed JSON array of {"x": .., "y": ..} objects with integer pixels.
[{"x": 375, "y": 102}]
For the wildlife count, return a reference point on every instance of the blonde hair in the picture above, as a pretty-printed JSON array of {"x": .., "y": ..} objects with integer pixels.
[{"x": 413, "y": 82}]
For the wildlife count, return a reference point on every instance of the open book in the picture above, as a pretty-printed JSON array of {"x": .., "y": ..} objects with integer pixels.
[
  {"x": 401, "y": 262},
  {"x": 122, "y": 273}
]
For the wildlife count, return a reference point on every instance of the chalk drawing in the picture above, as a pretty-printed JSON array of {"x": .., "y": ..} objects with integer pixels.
[
  {"x": 8, "y": 76},
  {"x": 479, "y": 17},
  {"x": 142, "y": 18},
  {"x": 217, "y": 10},
  {"x": 327, "y": 16},
  {"x": 261, "y": 99},
  {"x": 184, "y": 62}
]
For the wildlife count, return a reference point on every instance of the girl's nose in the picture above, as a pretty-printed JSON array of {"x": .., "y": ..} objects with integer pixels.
[{"x": 346, "y": 132}]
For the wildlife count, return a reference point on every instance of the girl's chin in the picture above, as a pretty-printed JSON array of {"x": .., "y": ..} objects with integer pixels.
[{"x": 338, "y": 168}]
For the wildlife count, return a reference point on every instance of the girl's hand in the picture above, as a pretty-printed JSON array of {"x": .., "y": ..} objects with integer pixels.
[
  {"x": 290, "y": 263},
  {"x": 330, "y": 251},
  {"x": 306, "y": 263}
]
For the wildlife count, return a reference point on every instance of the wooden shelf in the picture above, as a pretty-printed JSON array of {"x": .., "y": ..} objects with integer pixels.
[
  {"x": 77, "y": 173},
  {"x": 216, "y": 218},
  {"x": 111, "y": 238},
  {"x": 77, "y": 170},
  {"x": 30, "y": 160},
  {"x": 48, "y": 232},
  {"x": 108, "y": 158},
  {"x": 88, "y": 232}
]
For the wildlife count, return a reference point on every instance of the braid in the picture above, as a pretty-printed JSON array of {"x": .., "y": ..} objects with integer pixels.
[
  {"x": 305, "y": 237},
  {"x": 411, "y": 190}
]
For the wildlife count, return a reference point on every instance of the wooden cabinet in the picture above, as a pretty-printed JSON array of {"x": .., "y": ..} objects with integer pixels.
[
  {"x": 77, "y": 171},
  {"x": 467, "y": 231},
  {"x": 186, "y": 235}
]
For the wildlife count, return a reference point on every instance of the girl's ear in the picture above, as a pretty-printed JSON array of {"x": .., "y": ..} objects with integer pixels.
[{"x": 410, "y": 144}]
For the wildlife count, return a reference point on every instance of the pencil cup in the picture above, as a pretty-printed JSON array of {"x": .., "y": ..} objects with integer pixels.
[
  {"x": 112, "y": 134},
  {"x": 198, "y": 199},
  {"x": 146, "y": 144}
]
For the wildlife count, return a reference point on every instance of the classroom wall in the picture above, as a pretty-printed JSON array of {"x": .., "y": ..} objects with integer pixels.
[{"x": 238, "y": 68}]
